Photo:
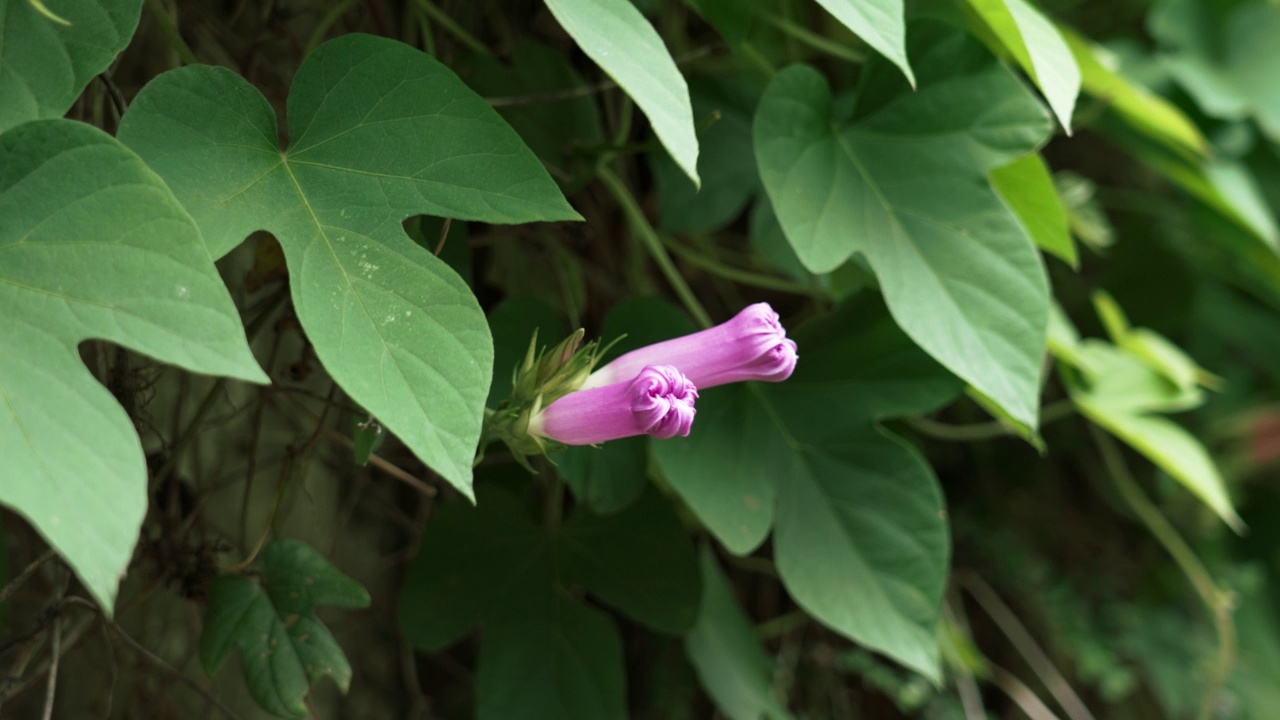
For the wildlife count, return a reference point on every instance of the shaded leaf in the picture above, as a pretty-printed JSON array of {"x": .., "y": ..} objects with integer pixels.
[
  {"x": 606, "y": 478},
  {"x": 730, "y": 18},
  {"x": 284, "y": 647},
  {"x": 550, "y": 657},
  {"x": 1230, "y": 69},
  {"x": 378, "y": 132},
  {"x": 93, "y": 245},
  {"x": 724, "y": 649},
  {"x": 474, "y": 558},
  {"x": 554, "y": 129},
  {"x": 725, "y": 163},
  {"x": 723, "y": 470},
  {"x": 639, "y": 560},
  {"x": 905, "y": 186},
  {"x": 44, "y": 65},
  {"x": 621, "y": 41}
]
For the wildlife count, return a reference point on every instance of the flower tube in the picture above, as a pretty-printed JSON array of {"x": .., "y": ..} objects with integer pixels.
[
  {"x": 657, "y": 401},
  {"x": 751, "y": 346}
]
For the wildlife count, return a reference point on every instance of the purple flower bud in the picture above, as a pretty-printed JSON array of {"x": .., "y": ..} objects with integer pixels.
[
  {"x": 751, "y": 346},
  {"x": 657, "y": 401}
]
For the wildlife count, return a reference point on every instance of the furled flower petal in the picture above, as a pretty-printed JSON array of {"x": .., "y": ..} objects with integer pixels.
[
  {"x": 751, "y": 346},
  {"x": 657, "y": 400}
]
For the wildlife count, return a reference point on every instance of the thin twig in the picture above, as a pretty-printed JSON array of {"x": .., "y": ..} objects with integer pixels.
[
  {"x": 1220, "y": 603},
  {"x": 12, "y": 586},
  {"x": 55, "y": 653},
  {"x": 444, "y": 235},
  {"x": 1026, "y": 645},
  {"x": 1020, "y": 694},
  {"x": 649, "y": 238},
  {"x": 153, "y": 658},
  {"x": 966, "y": 683},
  {"x": 385, "y": 466}
]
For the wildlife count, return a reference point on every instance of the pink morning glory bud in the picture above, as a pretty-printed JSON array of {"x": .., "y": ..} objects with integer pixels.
[
  {"x": 751, "y": 346},
  {"x": 656, "y": 401}
]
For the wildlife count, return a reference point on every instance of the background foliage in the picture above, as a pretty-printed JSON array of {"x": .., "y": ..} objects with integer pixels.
[{"x": 263, "y": 267}]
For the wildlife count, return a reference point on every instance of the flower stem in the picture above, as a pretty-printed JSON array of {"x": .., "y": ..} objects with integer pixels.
[
  {"x": 1219, "y": 602},
  {"x": 649, "y": 237}
]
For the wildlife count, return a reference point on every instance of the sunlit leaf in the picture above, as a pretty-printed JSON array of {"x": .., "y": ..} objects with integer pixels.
[
  {"x": 904, "y": 184},
  {"x": 621, "y": 41},
  {"x": 93, "y": 245},
  {"x": 1038, "y": 47},
  {"x": 378, "y": 132},
  {"x": 881, "y": 23},
  {"x": 1028, "y": 188}
]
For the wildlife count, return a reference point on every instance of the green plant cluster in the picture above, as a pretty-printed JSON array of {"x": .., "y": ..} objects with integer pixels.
[{"x": 281, "y": 285}]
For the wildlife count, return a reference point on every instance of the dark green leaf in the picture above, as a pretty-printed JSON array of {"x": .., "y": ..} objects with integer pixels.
[
  {"x": 369, "y": 436},
  {"x": 730, "y": 18},
  {"x": 607, "y": 478},
  {"x": 725, "y": 469},
  {"x": 284, "y": 647},
  {"x": 548, "y": 656},
  {"x": 724, "y": 649},
  {"x": 378, "y": 132},
  {"x": 555, "y": 131},
  {"x": 44, "y": 65},
  {"x": 905, "y": 185},
  {"x": 1229, "y": 69},
  {"x": 725, "y": 164},
  {"x": 474, "y": 560},
  {"x": 639, "y": 560},
  {"x": 639, "y": 321},
  {"x": 93, "y": 245}
]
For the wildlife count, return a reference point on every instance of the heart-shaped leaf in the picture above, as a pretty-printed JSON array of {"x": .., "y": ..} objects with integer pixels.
[
  {"x": 860, "y": 538},
  {"x": 378, "y": 132},
  {"x": 905, "y": 185},
  {"x": 93, "y": 245}
]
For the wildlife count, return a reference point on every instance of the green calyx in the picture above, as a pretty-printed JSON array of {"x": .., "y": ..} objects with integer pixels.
[{"x": 545, "y": 375}]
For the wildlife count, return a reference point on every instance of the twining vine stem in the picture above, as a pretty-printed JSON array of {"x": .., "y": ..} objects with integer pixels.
[{"x": 1220, "y": 603}]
